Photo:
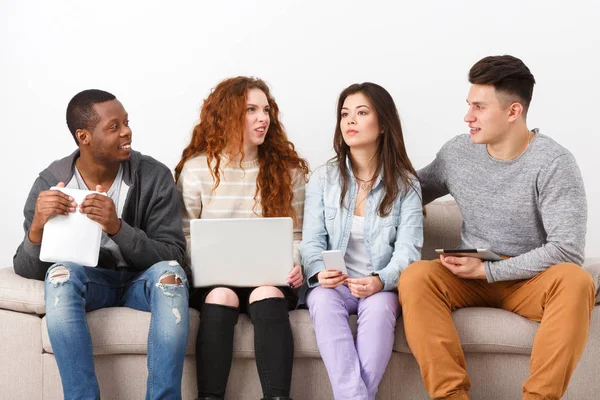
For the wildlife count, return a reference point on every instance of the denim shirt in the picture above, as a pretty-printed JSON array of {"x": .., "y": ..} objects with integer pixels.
[{"x": 392, "y": 242}]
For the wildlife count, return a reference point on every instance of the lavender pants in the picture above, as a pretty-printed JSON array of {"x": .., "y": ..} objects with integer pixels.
[{"x": 355, "y": 370}]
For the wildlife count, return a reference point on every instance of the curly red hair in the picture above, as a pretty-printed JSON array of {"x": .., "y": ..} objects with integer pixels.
[{"x": 221, "y": 127}]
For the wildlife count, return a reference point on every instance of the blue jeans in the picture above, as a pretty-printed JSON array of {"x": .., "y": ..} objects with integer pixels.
[{"x": 71, "y": 290}]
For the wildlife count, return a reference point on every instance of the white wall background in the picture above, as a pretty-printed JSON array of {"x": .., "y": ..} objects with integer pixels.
[{"x": 162, "y": 58}]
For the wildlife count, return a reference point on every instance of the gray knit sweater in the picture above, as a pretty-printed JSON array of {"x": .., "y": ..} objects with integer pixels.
[{"x": 532, "y": 208}]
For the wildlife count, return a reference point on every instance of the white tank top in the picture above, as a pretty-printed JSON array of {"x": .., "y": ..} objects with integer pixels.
[{"x": 357, "y": 260}]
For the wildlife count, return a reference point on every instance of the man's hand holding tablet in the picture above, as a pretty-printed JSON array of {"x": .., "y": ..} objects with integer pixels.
[
  {"x": 100, "y": 208},
  {"x": 49, "y": 203},
  {"x": 467, "y": 263}
]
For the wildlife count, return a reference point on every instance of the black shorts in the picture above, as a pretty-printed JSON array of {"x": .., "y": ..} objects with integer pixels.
[{"x": 198, "y": 296}]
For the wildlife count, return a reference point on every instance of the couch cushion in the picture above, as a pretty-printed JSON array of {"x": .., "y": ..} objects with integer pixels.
[
  {"x": 441, "y": 227},
  {"x": 21, "y": 294},
  {"x": 122, "y": 330}
]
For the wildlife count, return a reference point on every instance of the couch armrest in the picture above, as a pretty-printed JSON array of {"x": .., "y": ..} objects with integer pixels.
[
  {"x": 592, "y": 265},
  {"x": 21, "y": 294}
]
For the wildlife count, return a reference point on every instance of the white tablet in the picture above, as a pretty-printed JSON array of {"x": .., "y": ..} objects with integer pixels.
[
  {"x": 73, "y": 237},
  {"x": 483, "y": 254}
]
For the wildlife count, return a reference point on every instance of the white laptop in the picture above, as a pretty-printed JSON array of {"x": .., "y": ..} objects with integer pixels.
[
  {"x": 73, "y": 237},
  {"x": 241, "y": 251}
]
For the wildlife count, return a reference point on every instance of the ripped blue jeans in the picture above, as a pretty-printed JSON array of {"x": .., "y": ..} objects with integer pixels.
[{"x": 71, "y": 290}]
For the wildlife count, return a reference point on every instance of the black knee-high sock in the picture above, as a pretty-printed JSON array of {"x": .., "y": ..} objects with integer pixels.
[
  {"x": 273, "y": 345},
  {"x": 214, "y": 349}
]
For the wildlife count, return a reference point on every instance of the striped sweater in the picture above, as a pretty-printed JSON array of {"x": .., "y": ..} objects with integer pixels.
[{"x": 233, "y": 198}]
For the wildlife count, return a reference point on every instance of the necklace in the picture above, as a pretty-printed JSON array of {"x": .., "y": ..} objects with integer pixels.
[
  {"x": 361, "y": 201},
  {"x": 528, "y": 139},
  {"x": 364, "y": 184},
  {"x": 530, "y": 136}
]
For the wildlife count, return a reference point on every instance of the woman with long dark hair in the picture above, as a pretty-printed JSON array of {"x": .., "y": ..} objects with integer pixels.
[{"x": 365, "y": 202}]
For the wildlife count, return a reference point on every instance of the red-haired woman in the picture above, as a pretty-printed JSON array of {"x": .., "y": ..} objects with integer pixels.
[{"x": 240, "y": 163}]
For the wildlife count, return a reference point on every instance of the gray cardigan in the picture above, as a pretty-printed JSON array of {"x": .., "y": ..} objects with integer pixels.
[{"x": 151, "y": 220}]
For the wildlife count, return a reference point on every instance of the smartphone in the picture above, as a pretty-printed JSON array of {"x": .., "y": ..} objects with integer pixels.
[{"x": 333, "y": 259}]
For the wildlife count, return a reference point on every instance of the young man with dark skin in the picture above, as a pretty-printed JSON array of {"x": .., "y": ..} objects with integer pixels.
[
  {"x": 141, "y": 250},
  {"x": 521, "y": 195}
]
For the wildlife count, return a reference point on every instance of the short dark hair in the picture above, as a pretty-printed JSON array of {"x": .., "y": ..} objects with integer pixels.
[
  {"x": 508, "y": 74},
  {"x": 81, "y": 113}
]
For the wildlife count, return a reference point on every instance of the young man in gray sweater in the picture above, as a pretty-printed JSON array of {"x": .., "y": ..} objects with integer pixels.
[
  {"x": 141, "y": 251},
  {"x": 521, "y": 195}
]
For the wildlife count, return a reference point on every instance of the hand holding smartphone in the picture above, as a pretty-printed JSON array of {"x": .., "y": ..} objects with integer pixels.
[
  {"x": 335, "y": 272},
  {"x": 334, "y": 260}
]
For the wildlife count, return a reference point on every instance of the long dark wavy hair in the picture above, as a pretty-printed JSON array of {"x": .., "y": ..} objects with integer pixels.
[
  {"x": 392, "y": 160},
  {"x": 222, "y": 126}
]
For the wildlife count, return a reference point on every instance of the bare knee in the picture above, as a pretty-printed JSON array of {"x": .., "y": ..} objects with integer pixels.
[
  {"x": 59, "y": 274},
  {"x": 223, "y": 296},
  {"x": 170, "y": 279},
  {"x": 265, "y": 292}
]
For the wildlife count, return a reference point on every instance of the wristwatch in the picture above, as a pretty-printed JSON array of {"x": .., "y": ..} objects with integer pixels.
[{"x": 376, "y": 274}]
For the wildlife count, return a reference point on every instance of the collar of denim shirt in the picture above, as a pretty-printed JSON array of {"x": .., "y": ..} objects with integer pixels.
[{"x": 349, "y": 165}]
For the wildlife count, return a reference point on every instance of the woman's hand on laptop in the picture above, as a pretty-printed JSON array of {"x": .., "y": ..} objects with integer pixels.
[
  {"x": 331, "y": 278},
  {"x": 295, "y": 277},
  {"x": 365, "y": 287}
]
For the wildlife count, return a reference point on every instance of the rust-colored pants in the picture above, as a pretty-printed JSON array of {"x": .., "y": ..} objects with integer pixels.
[{"x": 561, "y": 298}]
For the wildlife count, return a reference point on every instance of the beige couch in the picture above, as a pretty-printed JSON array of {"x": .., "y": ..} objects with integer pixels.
[{"x": 497, "y": 345}]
